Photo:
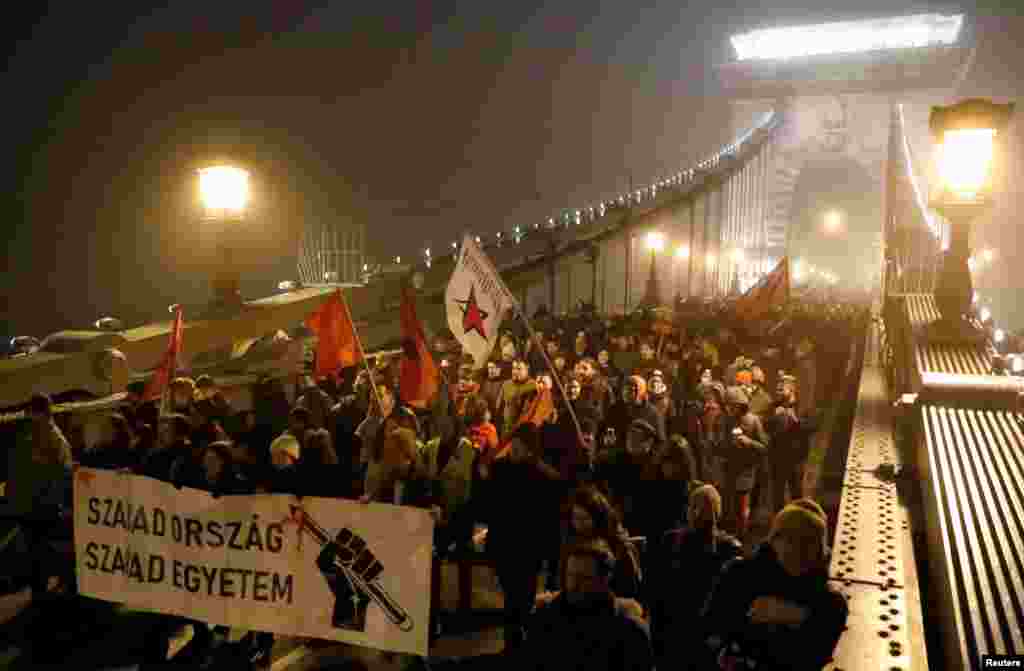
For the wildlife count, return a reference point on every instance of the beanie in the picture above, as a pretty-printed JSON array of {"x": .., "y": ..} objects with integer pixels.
[
  {"x": 803, "y": 524},
  {"x": 705, "y": 504}
]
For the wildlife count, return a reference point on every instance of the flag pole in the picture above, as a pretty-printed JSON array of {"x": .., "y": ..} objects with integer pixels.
[
  {"x": 551, "y": 369},
  {"x": 529, "y": 327},
  {"x": 362, "y": 354}
]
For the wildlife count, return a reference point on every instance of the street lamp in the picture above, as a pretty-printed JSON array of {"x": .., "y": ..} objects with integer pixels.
[
  {"x": 682, "y": 254},
  {"x": 737, "y": 259},
  {"x": 224, "y": 193},
  {"x": 655, "y": 243},
  {"x": 967, "y": 135},
  {"x": 833, "y": 222}
]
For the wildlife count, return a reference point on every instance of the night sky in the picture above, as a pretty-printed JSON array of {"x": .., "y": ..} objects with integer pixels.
[{"x": 410, "y": 116}]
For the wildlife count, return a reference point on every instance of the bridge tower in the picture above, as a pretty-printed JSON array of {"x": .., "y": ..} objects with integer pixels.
[{"x": 837, "y": 86}]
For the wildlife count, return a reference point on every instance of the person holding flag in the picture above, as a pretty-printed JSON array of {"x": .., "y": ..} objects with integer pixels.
[{"x": 476, "y": 302}]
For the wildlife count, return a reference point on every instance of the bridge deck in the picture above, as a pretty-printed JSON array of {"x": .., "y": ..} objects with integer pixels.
[{"x": 873, "y": 556}]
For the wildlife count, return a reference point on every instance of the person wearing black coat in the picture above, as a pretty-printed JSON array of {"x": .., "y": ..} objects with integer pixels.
[
  {"x": 633, "y": 406},
  {"x": 174, "y": 448},
  {"x": 518, "y": 524},
  {"x": 661, "y": 497},
  {"x": 179, "y": 463},
  {"x": 680, "y": 572},
  {"x": 586, "y": 626},
  {"x": 118, "y": 453},
  {"x": 776, "y": 610}
]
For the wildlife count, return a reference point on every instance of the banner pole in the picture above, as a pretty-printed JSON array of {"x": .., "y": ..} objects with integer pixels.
[
  {"x": 362, "y": 354},
  {"x": 551, "y": 369}
]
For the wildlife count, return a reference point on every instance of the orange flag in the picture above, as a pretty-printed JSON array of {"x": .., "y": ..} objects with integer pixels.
[
  {"x": 418, "y": 380},
  {"x": 336, "y": 347},
  {"x": 770, "y": 291},
  {"x": 168, "y": 365},
  {"x": 537, "y": 412}
]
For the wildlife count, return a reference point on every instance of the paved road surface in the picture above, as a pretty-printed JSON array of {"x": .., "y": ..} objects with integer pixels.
[{"x": 87, "y": 634}]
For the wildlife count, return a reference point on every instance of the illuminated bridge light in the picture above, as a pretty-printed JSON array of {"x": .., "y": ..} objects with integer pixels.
[{"x": 845, "y": 37}]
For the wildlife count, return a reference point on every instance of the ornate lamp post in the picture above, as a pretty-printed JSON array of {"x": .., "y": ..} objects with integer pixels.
[
  {"x": 224, "y": 192},
  {"x": 682, "y": 254},
  {"x": 737, "y": 259},
  {"x": 655, "y": 243},
  {"x": 968, "y": 136}
]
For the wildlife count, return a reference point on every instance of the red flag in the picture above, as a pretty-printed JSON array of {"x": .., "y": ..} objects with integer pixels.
[
  {"x": 336, "y": 337},
  {"x": 418, "y": 381},
  {"x": 168, "y": 365},
  {"x": 770, "y": 291}
]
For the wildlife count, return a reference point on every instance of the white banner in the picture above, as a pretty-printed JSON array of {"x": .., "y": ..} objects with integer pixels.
[
  {"x": 476, "y": 302},
  {"x": 321, "y": 568}
]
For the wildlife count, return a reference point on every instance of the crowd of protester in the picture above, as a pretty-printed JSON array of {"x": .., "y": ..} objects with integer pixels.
[{"x": 620, "y": 517}]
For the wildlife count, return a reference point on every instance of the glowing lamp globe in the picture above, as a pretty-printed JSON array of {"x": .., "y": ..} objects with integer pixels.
[
  {"x": 833, "y": 221},
  {"x": 682, "y": 252},
  {"x": 224, "y": 188},
  {"x": 965, "y": 161},
  {"x": 999, "y": 336},
  {"x": 967, "y": 136},
  {"x": 655, "y": 241}
]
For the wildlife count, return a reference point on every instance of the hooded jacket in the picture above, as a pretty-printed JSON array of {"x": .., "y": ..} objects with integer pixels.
[{"x": 802, "y": 648}]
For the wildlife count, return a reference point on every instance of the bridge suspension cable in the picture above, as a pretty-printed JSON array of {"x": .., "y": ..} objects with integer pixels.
[
  {"x": 934, "y": 222},
  {"x": 767, "y": 122}
]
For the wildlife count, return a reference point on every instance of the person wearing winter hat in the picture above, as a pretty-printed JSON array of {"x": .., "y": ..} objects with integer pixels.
[
  {"x": 683, "y": 570},
  {"x": 287, "y": 448},
  {"x": 744, "y": 448},
  {"x": 394, "y": 456},
  {"x": 777, "y": 610}
]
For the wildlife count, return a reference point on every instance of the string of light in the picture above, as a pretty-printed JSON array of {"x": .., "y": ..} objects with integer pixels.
[{"x": 593, "y": 213}]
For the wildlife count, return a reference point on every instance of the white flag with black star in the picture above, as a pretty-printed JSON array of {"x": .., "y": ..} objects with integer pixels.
[{"x": 476, "y": 302}]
